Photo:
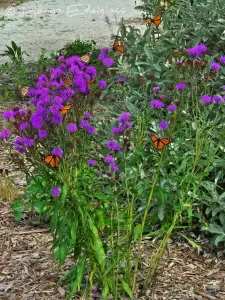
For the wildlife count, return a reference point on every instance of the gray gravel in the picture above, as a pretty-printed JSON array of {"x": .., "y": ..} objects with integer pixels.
[{"x": 51, "y": 24}]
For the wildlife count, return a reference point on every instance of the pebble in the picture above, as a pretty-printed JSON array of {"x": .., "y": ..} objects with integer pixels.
[
  {"x": 213, "y": 288},
  {"x": 196, "y": 297}
]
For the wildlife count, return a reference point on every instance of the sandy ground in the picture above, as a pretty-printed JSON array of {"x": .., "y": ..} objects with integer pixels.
[{"x": 50, "y": 24}]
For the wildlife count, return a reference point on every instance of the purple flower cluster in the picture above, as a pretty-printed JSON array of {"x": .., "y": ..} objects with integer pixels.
[
  {"x": 198, "y": 50},
  {"x": 157, "y": 104},
  {"x": 91, "y": 162},
  {"x": 71, "y": 128},
  {"x": 155, "y": 89},
  {"x": 124, "y": 124},
  {"x": 172, "y": 107},
  {"x": 56, "y": 192},
  {"x": 110, "y": 160},
  {"x": 113, "y": 146},
  {"x": 215, "y": 66},
  {"x": 163, "y": 125},
  {"x": 121, "y": 80},
  {"x": 4, "y": 134},
  {"x": 206, "y": 99},
  {"x": 103, "y": 56},
  {"x": 87, "y": 127},
  {"x": 57, "y": 152},
  {"x": 180, "y": 86}
]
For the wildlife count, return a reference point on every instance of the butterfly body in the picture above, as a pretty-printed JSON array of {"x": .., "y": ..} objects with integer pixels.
[
  {"x": 118, "y": 47},
  {"x": 52, "y": 160},
  {"x": 159, "y": 143},
  {"x": 156, "y": 20}
]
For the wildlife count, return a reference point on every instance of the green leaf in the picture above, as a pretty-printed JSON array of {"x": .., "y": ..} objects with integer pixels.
[
  {"x": 97, "y": 244},
  {"x": 161, "y": 212},
  {"x": 137, "y": 231},
  {"x": 219, "y": 239},
  {"x": 126, "y": 288}
]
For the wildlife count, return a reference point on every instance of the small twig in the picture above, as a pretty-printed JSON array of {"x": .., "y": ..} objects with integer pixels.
[
  {"x": 205, "y": 295},
  {"x": 30, "y": 231}
]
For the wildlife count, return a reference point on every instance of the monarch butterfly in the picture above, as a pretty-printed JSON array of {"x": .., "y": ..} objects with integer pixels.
[
  {"x": 52, "y": 160},
  {"x": 65, "y": 109},
  {"x": 117, "y": 47},
  {"x": 156, "y": 20},
  {"x": 86, "y": 57},
  {"x": 159, "y": 143},
  {"x": 23, "y": 90}
]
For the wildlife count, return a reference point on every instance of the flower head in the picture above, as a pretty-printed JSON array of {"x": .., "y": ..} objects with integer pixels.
[
  {"x": 91, "y": 162},
  {"x": 206, "y": 99},
  {"x": 121, "y": 80},
  {"x": 71, "y": 128},
  {"x": 102, "y": 84},
  {"x": 125, "y": 116},
  {"x": 163, "y": 125},
  {"x": 4, "y": 134},
  {"x": 114, "y": 167},
  {"x": 172, "y": 107},
  {"x": 113, "y": 146},
  {"x": 155, "y": 88},
  {"x": 42, "y": 134},
  {"x": 56, "y": 192},
  {"x": 23, "y": 126},
  {"x": 156, "y": 104},
  {"x": 57, "y": 152},
  {"x": 109, "y": 159},
  {"x": 87, "y": 115},
  {"x": 222, "y": 60},
  {"x": 108, "y": 62},
  {"x": 217, "y": 98},
  {"x": 7, "y": 114},
  {"x": 180, "y": 86},
  {"x": 215, "y": 66}
]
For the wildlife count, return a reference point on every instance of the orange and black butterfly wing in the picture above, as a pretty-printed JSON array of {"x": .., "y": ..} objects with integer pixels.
[
  {"x": 117, "y": 47},
  {"x": 65, "y": 109},
  {"x": 67, "y": 82},
  {"x": 159, "y": 143},
  {"x": 52, "y": 160},
  {"x": 156, "y": 20}
]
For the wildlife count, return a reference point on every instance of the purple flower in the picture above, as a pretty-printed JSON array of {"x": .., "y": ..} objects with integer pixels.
[
  {"x": 114, "y": 167},
  {"x": 4, "y": 134},
  {"x": 108, "y": 62},
  {"x": 84, "y": 124},
  {"x": 217, "y": 99},
  {"x": 163, "y": 125},
  {"x": 22, "y": 112},
  {"x": 125, "y": 116},
  {"x": 7, "y": 114},
  {"x": 95, "y": 290},
  {"x": 126, "y": 126},
  {"x": 206, "y": 99},
  {"x": 56, "y": 192},
  {"x": 98, "y": 172},
  {"x": 109, "y": 159},
  {"x": 57, "y": 152},
  {"x": 102, "y": 84},
  {"x": 202, "y": 48},
  {"x": 116, "y": 130},
  {"x": 179, "y": 63},
  {"x": 42, "y": 134},
  {"x": 87, "y": 115},
  {"x": 36, "y": 120},
  {"x": 197, "y": 50},
  {"x": 57, "y": 118},
  {"x": 172, "y": 107},
  {"x": 71, "y": 128},
  {"x": 60, "y": 58},
  {"x": 91, "y": 162},
  {"x": 223, "y": 87},
  {"x": 103, "y": 53},
  {"x": 92, "y": 71},
  {"x": 112, "y": 145},
  {"x": 155, "y": 88},
  {"x": 90, "y": 130},
  {"x": 121, "y": 80},
  {"x": 23, "y": 126},
  {"x": 222, "y": 59},
  {"x": 19, "y": 148},
  {"x": 215, "y": 66},
  {"x": 180, "y": 86},
  {"x": 156, "y": 104}
]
